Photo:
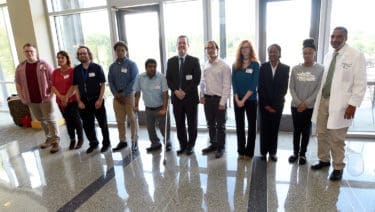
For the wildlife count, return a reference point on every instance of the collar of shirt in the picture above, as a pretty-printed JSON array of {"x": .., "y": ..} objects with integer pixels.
[
  {"x": 215, "y": 61},
  {"x": 183, "y": 56},
  {"x": 121, "y": 60}
]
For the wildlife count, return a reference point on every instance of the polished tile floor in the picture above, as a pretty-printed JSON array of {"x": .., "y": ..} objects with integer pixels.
[{"x": 32, "y": 179}]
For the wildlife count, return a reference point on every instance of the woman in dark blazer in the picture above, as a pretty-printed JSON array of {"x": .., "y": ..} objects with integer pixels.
[{"x": 273, "y": 86}]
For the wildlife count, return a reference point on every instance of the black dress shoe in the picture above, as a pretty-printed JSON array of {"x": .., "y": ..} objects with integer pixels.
[
  {"x": 168, "y": 147},
  {"x": 153, "y": 148},
  {"x": 219, "y": 153},
  {"x": 134, "y": 146},
  {"x": 292, "y": 158},
  {"x": 189, "y": 151},
  {"x": 91, "y": 149},
  {"x": 180, "y": 151},
  {"x": 79, "y": 144},
  {"x": 209, "y": 149},
  {"x": 336, "y": 175},
  {"x": 104, "y": 148},
  {"x": 120, "y": 146},
  {"x": 72, "y": 144},
  {"x": 273, "y": 158},
  {"x": 320, "y": 165},
  {"x": 302, "y": 160}
]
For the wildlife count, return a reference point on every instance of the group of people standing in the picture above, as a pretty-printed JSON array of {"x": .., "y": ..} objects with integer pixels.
[{"x": 327, "y": 94}]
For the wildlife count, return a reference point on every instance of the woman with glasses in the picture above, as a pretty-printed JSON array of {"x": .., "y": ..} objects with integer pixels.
[{"x": 245, "y": 74}]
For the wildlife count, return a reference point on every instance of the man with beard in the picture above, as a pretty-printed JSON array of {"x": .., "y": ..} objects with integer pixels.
[{"x": 89, "y": 82}]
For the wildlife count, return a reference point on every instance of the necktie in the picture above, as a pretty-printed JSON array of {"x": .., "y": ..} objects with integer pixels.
[
  {"x": 180, "y": 72},
  {"x": 326, "y": 92}
]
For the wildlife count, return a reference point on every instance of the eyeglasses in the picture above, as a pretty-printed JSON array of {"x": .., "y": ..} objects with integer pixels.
[{"x": 245, "y": 47}]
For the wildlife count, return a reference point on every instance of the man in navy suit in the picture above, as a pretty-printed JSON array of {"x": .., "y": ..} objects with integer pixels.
[
  {"x": 183, "y": 77},
  {"x": 273, "y": 86}
]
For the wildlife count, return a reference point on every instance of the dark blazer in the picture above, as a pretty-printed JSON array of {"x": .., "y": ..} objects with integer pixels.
[
  {"x": 191, "y": 69},
  {"x": 273, "y": 89}
]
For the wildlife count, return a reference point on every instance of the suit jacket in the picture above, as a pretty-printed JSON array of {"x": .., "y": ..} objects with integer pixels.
[
  {"x": 272, "y": 89},
  {"x": 191, "y": 78}
]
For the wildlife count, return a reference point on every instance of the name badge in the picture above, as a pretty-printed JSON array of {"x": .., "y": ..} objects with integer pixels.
[
  {"x": 124, "y": 70},
  {"x": 189, "y": 77},
  {"x": 249, "y": 70},
  {"x": 66, "y": 76},
  {"x": 157, "y": 87},
  {"x": 91, "y": 74}
]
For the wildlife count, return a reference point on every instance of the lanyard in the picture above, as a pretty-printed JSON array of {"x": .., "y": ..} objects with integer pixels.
[{"x": 84, "y": 73}]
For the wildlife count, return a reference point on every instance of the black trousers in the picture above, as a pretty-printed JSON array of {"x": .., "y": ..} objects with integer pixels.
[
  {"x": 88, "y": 116},
  {"x": 269, "y": 130},
  {"x": 182, "y": 111},
  {"x": 302, "y": 126},
  {"x": 72, "y": 120},
  {"x": 243, "y": 147},
  {"x": 215, "y": 121}
]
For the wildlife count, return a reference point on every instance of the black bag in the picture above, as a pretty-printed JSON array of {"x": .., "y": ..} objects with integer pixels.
[{"x": 17, "y": 109}]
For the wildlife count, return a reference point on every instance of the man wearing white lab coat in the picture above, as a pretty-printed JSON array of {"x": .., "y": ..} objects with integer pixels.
[{"x": 337, "y": 101}]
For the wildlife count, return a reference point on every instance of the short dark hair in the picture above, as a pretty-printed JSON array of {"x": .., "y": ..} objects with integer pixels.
[
  {"x": 183, "y": 36},
  {"x": 150, "y": 61},
  {"x": 66, "y": 55},
  {"x": 276, "y": 46},
  {"x": 215, "y": 44},
  {"x": 88, "y": 51},
  {"x": 309, "y": 43},
  {"x": 120, "y": 44},
  {"x": 342, "y": 29}
]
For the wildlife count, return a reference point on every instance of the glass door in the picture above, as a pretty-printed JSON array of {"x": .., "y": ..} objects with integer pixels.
[{"x": 139, "y": 27}]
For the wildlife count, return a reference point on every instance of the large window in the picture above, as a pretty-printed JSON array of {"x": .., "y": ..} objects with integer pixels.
[
  {"x": 184, "y": 18},
  {"x": 361, "y": 37},
  {"x": 288, "y": 29},
  {"x": 7, "y": 59},
  {"x": 61, "y": 5},
  {"x": 90, "y": 29},
  {"x": 232, "y": 22}
]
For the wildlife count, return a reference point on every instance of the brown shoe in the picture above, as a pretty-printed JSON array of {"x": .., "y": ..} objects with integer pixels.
[
  {"x": 55, "y": 147},
  {"x": 47, "y": 143}
]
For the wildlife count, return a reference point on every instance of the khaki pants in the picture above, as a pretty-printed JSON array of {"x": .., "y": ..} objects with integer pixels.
[
  {"x": 122, "y": 111},
  {"x": 330, "y": 140},
  {"x": 44, "y": 113}
]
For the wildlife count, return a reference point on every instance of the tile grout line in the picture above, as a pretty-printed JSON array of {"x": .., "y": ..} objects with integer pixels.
[
  {"x": 258, "y": 186},
  {"x": 95, "y": 186}
]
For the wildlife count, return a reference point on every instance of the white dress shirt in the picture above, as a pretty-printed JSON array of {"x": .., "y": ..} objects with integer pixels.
[{"x": 216, "y": 80}]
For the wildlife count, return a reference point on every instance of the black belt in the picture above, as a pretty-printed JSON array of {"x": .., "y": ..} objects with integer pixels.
[
  {"x": 211, "y": 96},
  {"x": 154, "y": 108}
]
